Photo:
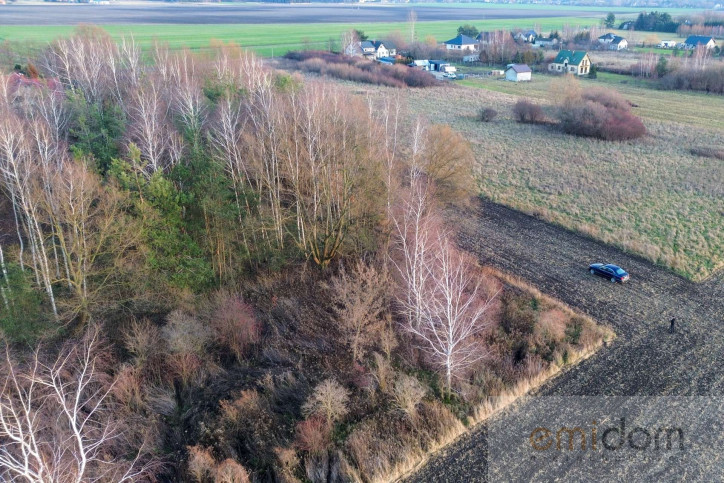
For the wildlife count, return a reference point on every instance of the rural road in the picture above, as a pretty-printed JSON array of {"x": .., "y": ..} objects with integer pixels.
[{"x": 652, "y": 379}]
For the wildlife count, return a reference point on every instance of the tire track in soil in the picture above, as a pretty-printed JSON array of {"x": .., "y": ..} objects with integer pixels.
[{"x": 644, "y": 360}]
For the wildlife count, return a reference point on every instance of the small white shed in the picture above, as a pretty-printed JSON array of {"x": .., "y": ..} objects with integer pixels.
[{"x": 518, "y": 72}]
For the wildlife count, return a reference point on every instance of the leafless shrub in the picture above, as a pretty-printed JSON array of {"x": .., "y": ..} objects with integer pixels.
[
  {"x": 526, "y": 112},
  {"x": 229, "y": 471},
  {"x": 127, "y": 389},
  {"x": 288, "y": 463},
  {"x": 185, "y": 334},
  {"x": 487, "y": 114},
  {"x": 358, "y": 299},
  {"x": 313, "y": 435},
  {"x": 329, "y": 400},
  {"x": 708, "y": 152},
  {"x": 408, "y": 394},
  {"x": 383, "y": 373},
  {"x": 200, "y": 463},
  {"x": 608, "y": 97},
  {"x": 142, "y": 339},
  {"x": 448, "y": 161},
  {"x": 603, "y": 114},
  {"x": 361, "y": 70},
  {"x": 234, "y": 324}
]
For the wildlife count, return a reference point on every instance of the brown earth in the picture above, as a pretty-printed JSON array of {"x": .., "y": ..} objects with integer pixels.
[{"x": 646, "y": 374}]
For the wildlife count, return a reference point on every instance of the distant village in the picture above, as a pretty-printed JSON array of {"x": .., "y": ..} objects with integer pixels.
[{"x": 495, "y": 47}]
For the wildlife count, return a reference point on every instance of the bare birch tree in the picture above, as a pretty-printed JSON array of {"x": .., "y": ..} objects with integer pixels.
[{"x": 56, "y": 421}]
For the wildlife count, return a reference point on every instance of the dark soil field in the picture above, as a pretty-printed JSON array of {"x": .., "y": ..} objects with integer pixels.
[
  {"x": 646, "y": 375},
  {"x": 162, "y": 13}
]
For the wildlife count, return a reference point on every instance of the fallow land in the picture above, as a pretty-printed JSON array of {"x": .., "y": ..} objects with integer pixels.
[{"x": 652, "y": 196}]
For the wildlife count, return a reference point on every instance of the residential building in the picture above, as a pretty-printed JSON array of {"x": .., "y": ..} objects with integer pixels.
[
  {"x": 571, "y": 62},
  {"x": 518, "y": 73},
  {"x": 462, "y": 42}
]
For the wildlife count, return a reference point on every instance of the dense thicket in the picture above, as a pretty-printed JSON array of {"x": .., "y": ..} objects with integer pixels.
[
  {"x": 359, "y": 69},
  {"x": 600, "y": 113}
]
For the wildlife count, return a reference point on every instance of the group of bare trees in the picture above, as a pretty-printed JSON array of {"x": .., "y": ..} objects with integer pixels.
[
  {"x": 442, "y": 291},
  {"x": 57, "y": 422},
  {"x": 64, "y": 217}
]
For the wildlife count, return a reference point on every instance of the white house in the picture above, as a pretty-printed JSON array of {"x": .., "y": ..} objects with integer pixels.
[
  {"x": 462, "y": 42},
  {"x": 518, "y": 73},
  {"x": 667, "y": 44},
  {"x": 528, "y": 36},
  {"x": 618, "y": 43},
  {"x": 692, "y": 41},
  {"x": 384, "y": 49},
  {"x": 373, "y": 49},
  {"x": 613, "y": 41}
]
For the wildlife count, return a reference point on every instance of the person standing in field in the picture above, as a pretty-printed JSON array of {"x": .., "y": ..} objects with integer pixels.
[{"x": 672, "y": 326}]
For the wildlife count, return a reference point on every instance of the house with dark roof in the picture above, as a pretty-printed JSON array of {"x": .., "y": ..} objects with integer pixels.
[
  {"x": 618, "y": 43},
  {"x": 692, "y": 41},
  {"x": 367, "y": 48},
  {"x": 373, "y": 49},
  {"x": 528, "y": 36},
  {"x": 627, "y": 25},
  {"x": 545, "y": 42},
  {"x": 384, "y": 49},
  {"x": 613, "y": 42},
  {"x": 571, "y": 62},
  {"x": 461, "y": 42},
  {"x": 518, "y": 73}
]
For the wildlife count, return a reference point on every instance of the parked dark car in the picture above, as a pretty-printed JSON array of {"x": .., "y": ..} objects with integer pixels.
[{"x": 611, "y": 272}]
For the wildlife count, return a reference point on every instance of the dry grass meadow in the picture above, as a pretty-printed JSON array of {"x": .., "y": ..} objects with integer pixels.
[{"x": 650, "y": 196}]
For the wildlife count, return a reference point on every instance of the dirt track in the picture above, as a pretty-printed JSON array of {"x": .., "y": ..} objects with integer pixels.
[{"x": 659, "y": 374}]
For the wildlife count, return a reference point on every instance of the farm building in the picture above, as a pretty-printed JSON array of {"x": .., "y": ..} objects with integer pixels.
[
  {"x": 571, "y": 62},
  {"x": 692, "y": 41},
  {"x": 518, "y": 73},
  {"x": 420, "y": 64},
  {"x": 461, "y": 42}
]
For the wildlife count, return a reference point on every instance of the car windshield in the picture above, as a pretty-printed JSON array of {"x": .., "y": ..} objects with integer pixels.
[{"x": 619, "y": 271}]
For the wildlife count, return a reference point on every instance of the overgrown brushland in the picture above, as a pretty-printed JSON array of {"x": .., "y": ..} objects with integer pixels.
[
  {"x": 653, "y": 196},
  {"x": 232, "y": 274}
]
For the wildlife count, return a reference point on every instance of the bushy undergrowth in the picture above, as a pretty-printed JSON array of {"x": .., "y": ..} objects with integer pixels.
[
  {"x": 358, "y": 69},
  {"x": 272, "y": 414},
  {"x": 710, "y": 80},
  {"x": 709, "y": 152},
  {"x": 528, "y": 112},
  {"x": 600, "y": 113}
]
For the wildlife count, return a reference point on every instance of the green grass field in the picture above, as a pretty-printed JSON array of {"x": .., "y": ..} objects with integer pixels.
[
  {"x": 277, "y": 39},
  {"x": 650, "y": 196}
]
